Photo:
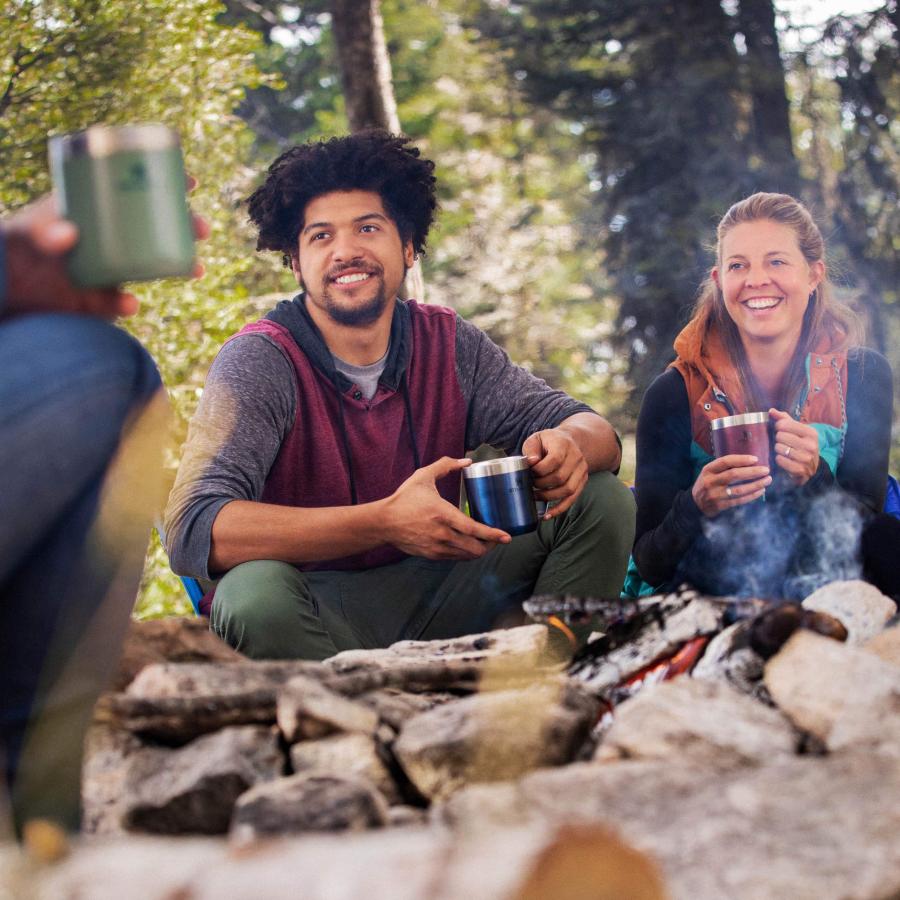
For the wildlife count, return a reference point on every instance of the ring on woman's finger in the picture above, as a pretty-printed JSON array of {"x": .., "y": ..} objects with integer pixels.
[
  {"x": 728, "y": 492},
  {"x": 788, "y": 451}
]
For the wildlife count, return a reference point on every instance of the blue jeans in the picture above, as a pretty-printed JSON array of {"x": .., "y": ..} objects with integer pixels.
[{"x": 70, "y": 388}]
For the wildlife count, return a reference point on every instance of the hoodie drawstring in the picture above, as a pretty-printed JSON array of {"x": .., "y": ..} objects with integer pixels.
[
  {"x": 346, "y": 442},
  {"x": 409, "y": 423}
]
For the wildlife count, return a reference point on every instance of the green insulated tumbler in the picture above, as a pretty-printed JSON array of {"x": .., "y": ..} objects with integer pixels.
[{"x": 125, "y": 189}]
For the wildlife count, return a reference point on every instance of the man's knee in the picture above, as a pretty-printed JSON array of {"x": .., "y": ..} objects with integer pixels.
[
  {"x": 73, "y": 374},
  {"x": 70, "y": 387},
  {"x": 608, "y": 505},
  {"x": 70, "y": 350},
  {"x": 254, "y": 602}
]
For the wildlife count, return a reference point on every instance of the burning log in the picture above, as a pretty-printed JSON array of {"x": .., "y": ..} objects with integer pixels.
[
  {"x": 862, "y": 608},
  {"x": 770, "y": 630},
  {"x": 638, "y": 633},
  {"x": 652, "y": 639}
]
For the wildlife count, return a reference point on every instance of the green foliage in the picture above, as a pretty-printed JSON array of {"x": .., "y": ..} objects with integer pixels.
[
  {"x": 506, "y": 250},
  {"x": 297, "y": 52},
  {"x": 675, "y": 103},
  {"x": 662, "y": 117},
  {"x": 863, "y": 53}
]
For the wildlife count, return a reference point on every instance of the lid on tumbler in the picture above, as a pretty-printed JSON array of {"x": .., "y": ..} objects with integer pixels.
[
  {"x": 502, "y": 466},
  {"x": 754, "y": 418},
  {"x": 104, "y": 140}
]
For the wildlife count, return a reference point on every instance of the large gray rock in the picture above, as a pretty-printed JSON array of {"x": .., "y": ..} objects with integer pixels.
[
  {"x": 17, "y": 870},
  {"x": 107, "y": 752},
  {"x": 396, "y": 707},
  {"x": 729, "y": 658},
  {"x": 175, "y": 702},
  {"x": 808, "y": 828},
  {"x": 307, "y": 709},
  {"x": 886, "y": 645},
  {"x": 193, "y": 789},
  {"x": 136, "y": 867},
  {"x": 402, "y": 816},
  {"x": 494, "y": 736},
  {"x": 345, "y": 754},
  {"x": 705, "y": 723},
  {"x": 308, "y": 802},
  {"x": 182, "y": 639},
  {"x": 860, "y": 606},
  {"x": 409, "y": 864},
  {"x": 845, "y": 696}
]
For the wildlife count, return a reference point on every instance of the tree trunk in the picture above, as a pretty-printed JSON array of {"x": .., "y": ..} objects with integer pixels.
[
  {"x": 364, "y": 64},
  {"x": 368, "y": 85},
  {"x": 768, "y": 94}
]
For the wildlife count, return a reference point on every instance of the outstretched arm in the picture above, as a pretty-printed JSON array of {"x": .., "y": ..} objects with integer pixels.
[
  {"x": 33, "y": 278},
  {"x": 35, "y": 241},
  {"x": 414, "y": 519}
]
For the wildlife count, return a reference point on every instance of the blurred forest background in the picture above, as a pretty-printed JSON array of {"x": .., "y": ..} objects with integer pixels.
[{"x": 585, "y": 149}]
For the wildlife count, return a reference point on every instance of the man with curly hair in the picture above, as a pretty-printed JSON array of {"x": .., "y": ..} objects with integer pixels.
[{"x": 321, "y": 474}]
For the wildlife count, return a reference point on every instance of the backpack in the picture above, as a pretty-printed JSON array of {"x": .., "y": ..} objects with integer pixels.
[{"x": 892, "y": 500}]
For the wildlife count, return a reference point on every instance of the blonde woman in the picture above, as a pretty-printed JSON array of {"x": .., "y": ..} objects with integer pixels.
[{"x": 766, "y": 335}]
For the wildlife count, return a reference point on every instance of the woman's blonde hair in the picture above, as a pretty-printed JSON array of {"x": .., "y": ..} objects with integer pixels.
[{"x": 825, "y": 315}]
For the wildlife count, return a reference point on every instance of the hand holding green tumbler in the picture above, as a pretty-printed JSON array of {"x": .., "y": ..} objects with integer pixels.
[{"x": 125, "y": 189}]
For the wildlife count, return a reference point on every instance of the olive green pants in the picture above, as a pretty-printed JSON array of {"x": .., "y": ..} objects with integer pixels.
[{"x": 272, "y": 610}]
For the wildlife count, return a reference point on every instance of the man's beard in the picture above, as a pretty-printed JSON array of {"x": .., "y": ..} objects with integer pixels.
[
  {"x": 356, "y": 315},
  {"x": 344, "y": 313}
]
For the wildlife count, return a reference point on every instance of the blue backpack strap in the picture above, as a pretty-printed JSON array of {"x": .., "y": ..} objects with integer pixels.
[
  {"x": 192, "y": 586},
  {"x": 892, "y": 500},
  {"x": 194, "y": 592}
]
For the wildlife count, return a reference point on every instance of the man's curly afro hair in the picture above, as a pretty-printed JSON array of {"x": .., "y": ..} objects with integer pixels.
[{"x": 376, "y": 161}]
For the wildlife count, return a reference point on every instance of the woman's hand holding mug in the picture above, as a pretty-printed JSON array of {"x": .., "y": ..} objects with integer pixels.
[
  {"x": 732, "y": 480},
  {"x": 796, "y": 447}
]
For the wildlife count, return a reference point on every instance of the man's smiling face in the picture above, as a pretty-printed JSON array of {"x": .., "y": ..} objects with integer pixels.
[{"x": 350, "y": 257}]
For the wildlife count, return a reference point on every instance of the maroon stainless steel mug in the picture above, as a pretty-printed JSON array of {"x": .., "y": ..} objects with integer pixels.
[{"x": 747, "y": 433}]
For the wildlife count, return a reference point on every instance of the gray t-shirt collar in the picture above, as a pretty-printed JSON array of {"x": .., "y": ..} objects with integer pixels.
[{"x": 364, "y": 377}]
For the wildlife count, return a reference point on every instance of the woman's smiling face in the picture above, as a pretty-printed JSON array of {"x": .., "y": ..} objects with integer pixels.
[{"x": 766, "y": 281}]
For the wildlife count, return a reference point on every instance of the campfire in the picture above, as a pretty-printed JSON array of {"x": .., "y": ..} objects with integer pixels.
[{"x": 688, "y": 726}]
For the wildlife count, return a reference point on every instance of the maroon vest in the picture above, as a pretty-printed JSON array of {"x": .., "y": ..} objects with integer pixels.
[{"x": 311, "y": 468}]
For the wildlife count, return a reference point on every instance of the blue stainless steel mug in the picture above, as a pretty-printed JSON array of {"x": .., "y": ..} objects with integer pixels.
[{"x": 501, "y": 494}]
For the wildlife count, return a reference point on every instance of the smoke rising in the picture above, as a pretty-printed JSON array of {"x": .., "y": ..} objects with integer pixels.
[{"x": 783, "y": 548}]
